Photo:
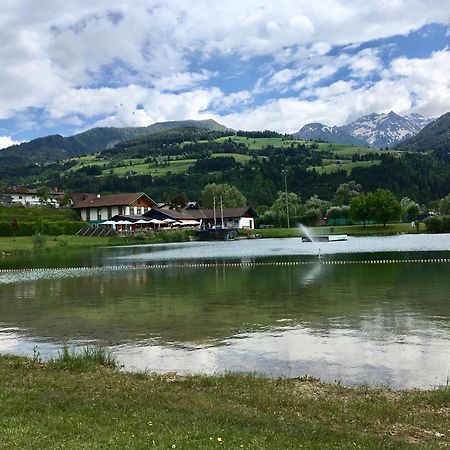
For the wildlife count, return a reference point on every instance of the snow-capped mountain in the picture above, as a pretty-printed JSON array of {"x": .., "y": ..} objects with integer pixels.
[
  {"x": 318, "y": 131},
  {"x": 373, "y": 130}
]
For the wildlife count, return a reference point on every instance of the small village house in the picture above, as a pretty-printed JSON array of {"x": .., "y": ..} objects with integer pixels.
[{"x": 21, "y": 195}]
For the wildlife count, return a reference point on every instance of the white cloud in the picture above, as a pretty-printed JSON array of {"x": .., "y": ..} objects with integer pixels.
[
  {"x": 407, "y": 85},
  {"x": 133, "y": 61},
  {"x": 7, "y": 141}
]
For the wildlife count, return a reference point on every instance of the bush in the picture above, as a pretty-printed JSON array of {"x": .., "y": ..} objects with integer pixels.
[
  {"x": 39, "y": 240},
  {"x": 437, "y": 224}
]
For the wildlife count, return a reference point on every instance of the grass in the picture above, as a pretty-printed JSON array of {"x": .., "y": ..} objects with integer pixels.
[
  {"x": 8, "y": 244},
  {"x": 338, "y": 165},
  {"x": 88, "y": 358},
  {"x": 45, "y": 406}
]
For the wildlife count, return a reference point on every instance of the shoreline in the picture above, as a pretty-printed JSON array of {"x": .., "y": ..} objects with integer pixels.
[
  {"x": 50, "y": 406},
  {"x": 9, "y": 245}
]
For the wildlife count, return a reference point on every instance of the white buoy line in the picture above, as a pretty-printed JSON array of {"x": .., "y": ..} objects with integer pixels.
[{"x": 90, "y": 269}]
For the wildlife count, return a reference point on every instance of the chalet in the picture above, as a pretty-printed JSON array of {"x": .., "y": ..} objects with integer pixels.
[
  {"x": 232, "y": 217},
  {"x": 21, "y": 195},
  {"x": 97, "y": 208}
]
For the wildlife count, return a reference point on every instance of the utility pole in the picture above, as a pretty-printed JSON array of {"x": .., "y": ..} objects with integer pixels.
[{"x": 284, "y": 172}]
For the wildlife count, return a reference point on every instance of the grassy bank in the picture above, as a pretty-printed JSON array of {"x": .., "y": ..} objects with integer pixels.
[
  {"x": 8, "y": 244},
  {"x": 61, "y": 406},
  {"x": 351, "y": 230}
]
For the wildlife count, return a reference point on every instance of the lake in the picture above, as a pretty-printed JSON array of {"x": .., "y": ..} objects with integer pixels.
[{"x": 260, "y": 306}]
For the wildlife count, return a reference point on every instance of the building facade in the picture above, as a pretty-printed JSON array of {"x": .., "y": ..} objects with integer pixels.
[{"x": 97, "y": 208}]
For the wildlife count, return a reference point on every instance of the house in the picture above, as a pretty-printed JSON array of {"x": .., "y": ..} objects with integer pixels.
[
  {"x": 232, "y": 217},
  {"x": 21, "y": 195},
  {"x": 97, "y": 208}
]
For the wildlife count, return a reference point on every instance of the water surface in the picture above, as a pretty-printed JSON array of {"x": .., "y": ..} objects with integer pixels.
[{"x": 381, "y": 324}]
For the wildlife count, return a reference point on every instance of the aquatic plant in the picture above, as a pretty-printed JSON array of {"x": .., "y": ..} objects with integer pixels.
[{"x": 87, "y": 358}]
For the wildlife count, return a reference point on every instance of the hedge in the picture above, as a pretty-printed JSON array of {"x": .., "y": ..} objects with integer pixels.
[
  {"x": 48, "y": 228},
  {"x": 437, "y": 224}
]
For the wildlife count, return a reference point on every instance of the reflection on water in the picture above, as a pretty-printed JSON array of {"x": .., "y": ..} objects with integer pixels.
[{"x": 362, "y": 323}]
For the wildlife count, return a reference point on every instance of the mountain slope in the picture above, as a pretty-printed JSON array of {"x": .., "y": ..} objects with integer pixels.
[
  {"x": 435, "y": 136},
  {"x": 373, "y": 130},
  {"x": 56, "y": 147},
  {"x": 384, "y": 130},
  {"x": 321, "y": 132}
]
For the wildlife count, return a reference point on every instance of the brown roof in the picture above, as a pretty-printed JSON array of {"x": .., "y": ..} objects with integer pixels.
[
  {"x": 18, "y": 190},
  {"x": 93, "y": 201}
]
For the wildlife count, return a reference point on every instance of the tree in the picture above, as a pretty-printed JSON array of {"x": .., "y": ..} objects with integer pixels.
[
  {"x": 359, "y": 209},
  {"x": 410, "y": 209},
  {"x": 14, "y": 227},
  {"x": 444, "y": 205},
  {"x": 338, "y": 212},
  {"x": 346, "y": 192},
  {"x": 178, "y": 200},
  {"x": 65, "y": 200},
  {"x": 277, "y": 212},
  {"x": 384, "y": 206},
  {"x": 43, "y": 192},
  {"x": 317, "y": 204},
  {"x": 231, "y": 196}
]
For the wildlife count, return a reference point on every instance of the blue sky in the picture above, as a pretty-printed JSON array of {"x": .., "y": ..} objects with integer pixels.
[{"x": 68, "y": 66}]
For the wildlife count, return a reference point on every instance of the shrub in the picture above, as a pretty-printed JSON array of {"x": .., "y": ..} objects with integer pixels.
[
  {"x": 437, "y": 224},
  {"x": 39, "y": 240}
]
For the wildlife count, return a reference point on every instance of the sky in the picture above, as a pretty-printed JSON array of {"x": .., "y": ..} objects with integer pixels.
[{"x": 67, "y": 66}]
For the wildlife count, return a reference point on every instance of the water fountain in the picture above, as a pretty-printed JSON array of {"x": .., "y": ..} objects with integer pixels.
[{"x": 310, "y": 238}]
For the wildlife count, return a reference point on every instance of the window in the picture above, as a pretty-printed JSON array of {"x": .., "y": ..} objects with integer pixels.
[
  {"x": 138, "y": 210},
  {"x": 88, "y": 214},
  {"x": 109, "y": 212},
  {"x": 99, "y": 213}
]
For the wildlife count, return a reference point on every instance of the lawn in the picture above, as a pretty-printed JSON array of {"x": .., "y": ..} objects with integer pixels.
[
  {"x": 342, "y": 165},
  {"x": 70, "y": 406},
  {"x": 8, "y": 244}
]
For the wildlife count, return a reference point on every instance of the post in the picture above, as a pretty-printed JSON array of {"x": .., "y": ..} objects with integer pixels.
[
  {"x": 214, "y": 209},
  {"x": 284, "y": 172},
  {"x": 221, "y": 211}
]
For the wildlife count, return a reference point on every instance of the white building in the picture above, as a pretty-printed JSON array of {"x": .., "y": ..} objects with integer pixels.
[
  {"x": 97, "y": 208},
  {"x": 28, "y": 197}
]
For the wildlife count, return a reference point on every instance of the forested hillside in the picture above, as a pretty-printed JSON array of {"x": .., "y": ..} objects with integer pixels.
[
  {"x": 435, "y": 137},
  {"x": 186, "y": 160},
  {"x": 54, "y": 148}
]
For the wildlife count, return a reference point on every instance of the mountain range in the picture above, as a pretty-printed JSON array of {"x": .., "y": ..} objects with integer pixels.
[
  {"x": 56, "y": 147},
  {"x": 373, "y": 130},
  {"x": 435, "y": 136}
]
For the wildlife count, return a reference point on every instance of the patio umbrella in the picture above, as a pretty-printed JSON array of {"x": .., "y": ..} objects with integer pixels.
[
  {"x": 124, "y": 222},
  {"x": 108, "y": 222},
  {"x": 142, "y": 221},
  {"x": 169, "y": 220},
  {"x": 155, "y": 221}
]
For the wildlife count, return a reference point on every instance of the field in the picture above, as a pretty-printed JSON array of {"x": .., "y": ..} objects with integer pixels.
[
  {"x": 337, "y": 165},
  {"x": 340, "y": 158},
  {"x": 72, "y": 406},
  {"x": 8, "y": 244}
]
